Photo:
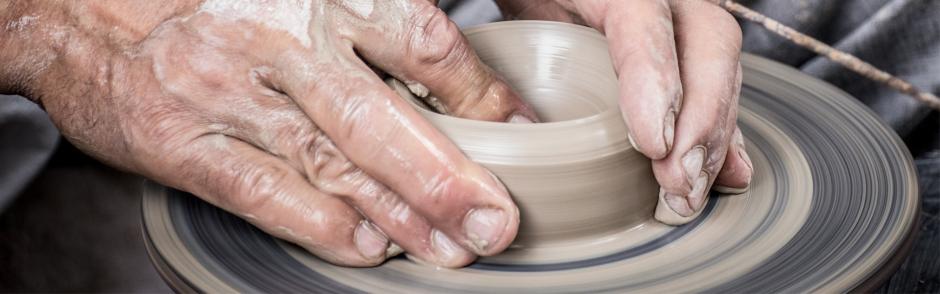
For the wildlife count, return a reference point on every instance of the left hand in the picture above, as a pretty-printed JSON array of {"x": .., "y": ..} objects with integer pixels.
[
  {"x": 678, "y": 67},
  {"x": 271, "y": 110}
]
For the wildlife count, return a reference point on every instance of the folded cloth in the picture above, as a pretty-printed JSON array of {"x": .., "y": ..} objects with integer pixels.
[{"x": 27, "y": 139}]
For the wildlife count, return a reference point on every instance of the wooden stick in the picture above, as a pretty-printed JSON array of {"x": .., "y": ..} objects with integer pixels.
[{"x": 849, "y": 61}]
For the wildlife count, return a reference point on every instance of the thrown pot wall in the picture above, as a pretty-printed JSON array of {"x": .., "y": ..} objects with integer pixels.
[{"x": 575, "y": 175}]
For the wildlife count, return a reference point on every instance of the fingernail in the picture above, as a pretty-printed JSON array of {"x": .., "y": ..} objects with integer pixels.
[
  {"x": 370, "y": 242},
  {"x": 692, "y": 162},
  {"x": 748, "y": 174},
  {"x": 669, "y": 129},
  {"x": 519, "y": 119},
  {"x": 498, "y": 182},
  {"x": 738, "y": 138},
  {"x": 393, "y": 250},
  {"x": 632, "y": 141},
  {"x": 729, "y": 190},
  {"x": 483, "y": 227},
  {"x": 738, "y": 141},
  {"x": 697, "y": 196},
  {"x": 747, "y": 160},
  {"x": 678, "y": 204},
  {"x": 668, "y": 207},
  {"x": 445, "y": 249}
]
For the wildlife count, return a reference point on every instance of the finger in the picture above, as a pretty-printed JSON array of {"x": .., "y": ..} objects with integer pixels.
[
  {"x": 640, "y": 34},
  {"x": 385, "y": 137},
  {"x": 286, "y": 132},
  {"x": 271, "y": 195},
  {"x": 735, "y": 175},
  {"x": 270, "y": 120},
  {"x": 708, "y": 40},
  {"x": 435, "y": 61}
]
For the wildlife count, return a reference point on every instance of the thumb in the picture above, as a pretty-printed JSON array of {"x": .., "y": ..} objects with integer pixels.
[{"x": 435, "y": 61}]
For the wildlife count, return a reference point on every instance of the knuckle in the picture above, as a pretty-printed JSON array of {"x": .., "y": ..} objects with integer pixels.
[
  {"x": 489, "y": 97},
  {"x": 327, "y": 168},
  {"x": 354, "y": 124},
  {"x": 255, "y": 186},
  {"x": 330, "y": 171},
  {"x": 354, "y": 113},
  {"x": 433, "y": 38},
  {"x": 723, "y": 28},
  {"x": 733, "y": 33},
  {"x": 728, "y": 27},
  {"x": 293, "y": 135},
  {"x": 349, "y": 116},
  {"x": 445, "y": 187},
  {"x": 186, "y": 65}
]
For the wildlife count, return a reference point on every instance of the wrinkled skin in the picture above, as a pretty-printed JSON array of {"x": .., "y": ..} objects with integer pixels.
[
  {"x": 291, "y": 131},
  {"x": 678, "y": 66},
  {"x": 276, "y": 112}
]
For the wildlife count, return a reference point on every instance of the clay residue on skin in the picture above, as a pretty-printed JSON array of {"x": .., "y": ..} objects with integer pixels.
[
  {"x": 657, "y": 51},
  {"x": 292, "y": 16},
  {"x": 362, "y": 8},
  {"x": 418, "y": 89},
  {"x": 401, "y": 213},
  {"x": 21, "y": 23},
  {"x": 31, "y": 26},
  {"x": 287, "y": 231},
  {"x": 657, "y": 82},
  {"x": 217, "y": 141},
  {"x": 422, "y": 92},
  {"x": 437, "y": 104},
  {"x": 693, "y": 161},
  {"x": 315, "y": 217}
]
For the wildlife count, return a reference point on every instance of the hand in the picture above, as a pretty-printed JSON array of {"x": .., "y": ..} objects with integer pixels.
[
  {"x": 680, "y": 77},
  {"x": 270, "y": 111}
]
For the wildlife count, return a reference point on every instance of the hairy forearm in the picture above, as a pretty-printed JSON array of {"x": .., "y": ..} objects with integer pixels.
[
  {"x": 14, "y": 29},
  {"x": 46, "y": 44}
]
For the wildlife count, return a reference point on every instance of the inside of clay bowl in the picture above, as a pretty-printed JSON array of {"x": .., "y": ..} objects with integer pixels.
[{"x": 575, "y": 176}]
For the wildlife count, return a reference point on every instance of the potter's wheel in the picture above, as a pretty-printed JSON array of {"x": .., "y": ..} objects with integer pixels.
[{"x": 831, "y": 207}]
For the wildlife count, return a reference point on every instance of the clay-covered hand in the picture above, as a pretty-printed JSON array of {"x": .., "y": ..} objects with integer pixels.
[
  {"x": 270, "y": 110},
  {"x": 678, "y": 66}
]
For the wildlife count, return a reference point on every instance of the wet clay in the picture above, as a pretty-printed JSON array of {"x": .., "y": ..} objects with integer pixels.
[{"x": 575, "y": 175}]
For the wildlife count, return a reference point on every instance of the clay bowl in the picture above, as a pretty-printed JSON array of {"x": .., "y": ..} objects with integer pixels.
[{"x": 575, "y": 176}]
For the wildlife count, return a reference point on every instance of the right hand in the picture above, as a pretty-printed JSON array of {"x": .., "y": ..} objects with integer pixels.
[
  {"x": 679, "y": 72},
  {"x": 270, "y": 111}
]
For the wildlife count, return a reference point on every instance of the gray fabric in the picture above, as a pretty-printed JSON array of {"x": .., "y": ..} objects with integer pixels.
[
  {"x": 899, "y": 36},
  {"x": 470, "y": 13},
  {"x": 27, "y": 139}
]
